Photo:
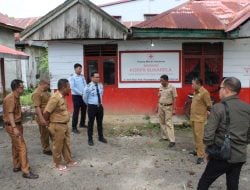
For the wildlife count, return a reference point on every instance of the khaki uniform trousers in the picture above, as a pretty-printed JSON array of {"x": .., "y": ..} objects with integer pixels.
[
  {"x": 166, "y": 122},
  {"x": 61, "y": 142},
  {"x": 44, "y": 136},
  {"x": 198, "y": 131},
  {"x": 19, "y": 150}
]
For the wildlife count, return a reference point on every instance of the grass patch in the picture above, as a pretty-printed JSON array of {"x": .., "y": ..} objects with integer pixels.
[
  {"x": 148, "y": 129},
  {"x": 26, "y": 98}
]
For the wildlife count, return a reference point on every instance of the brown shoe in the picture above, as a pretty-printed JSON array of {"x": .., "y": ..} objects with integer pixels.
[
  {"x": 16, "y": 169},
  {"x": 30, "y": 175}
]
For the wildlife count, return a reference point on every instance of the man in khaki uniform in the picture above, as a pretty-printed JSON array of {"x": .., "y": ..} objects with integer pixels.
[
  {"x": 12, "y": 117},
  {"x": 167, "y": 96},
  {"x": 201, "y": 104},
  {"x": 40, "y": 98},
  {"x": 56, "y": 112}
]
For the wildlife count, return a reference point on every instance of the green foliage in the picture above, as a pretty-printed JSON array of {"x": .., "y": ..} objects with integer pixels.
[
  {"x": 43, "y": 62},
  {"x": 26, "y": 97}
]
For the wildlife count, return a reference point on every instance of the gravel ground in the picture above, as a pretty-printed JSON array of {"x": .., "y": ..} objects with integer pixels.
[{"x": 133, "y": 159}]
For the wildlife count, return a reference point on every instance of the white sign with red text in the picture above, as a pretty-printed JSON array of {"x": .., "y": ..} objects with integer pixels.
[{"x": 149, "y": 66}]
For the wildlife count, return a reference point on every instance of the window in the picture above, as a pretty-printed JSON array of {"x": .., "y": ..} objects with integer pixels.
[
  {"x": 202, "y": 60},
  {"x": 101, "y": 58},
  {"x": 108, "y": 72}
]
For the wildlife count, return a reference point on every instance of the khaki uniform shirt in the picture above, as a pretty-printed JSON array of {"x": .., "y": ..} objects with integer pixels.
[
  {"x": 11, "y": 104},
  {"x": 201, "y": 103},
  {"x": 57, "y": 107},
  {"x": 167, "y": 94},
  {"x": 40, "y": 98}
]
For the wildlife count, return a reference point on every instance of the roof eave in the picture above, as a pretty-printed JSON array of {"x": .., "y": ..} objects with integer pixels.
[
  {"x": 160, "y": 33},
  {"x": 14, "y": 28}
]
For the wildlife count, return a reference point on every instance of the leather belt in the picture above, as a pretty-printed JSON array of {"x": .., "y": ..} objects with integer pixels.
[
  {"x": 59, "y": 123},
  {"x": 9, "y": 124},
  {"x": 165, "y": 104},
  {"x": 97, "y": 105}
]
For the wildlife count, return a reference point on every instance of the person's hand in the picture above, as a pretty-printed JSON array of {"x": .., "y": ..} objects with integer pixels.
[
  {"x": 16, "y": 132},
  {"x": 206, "y": 157},
  {"x": 208, "y": 113},
  {"x": 173, "y": 111},
  {"x": 43, "y": 122}
]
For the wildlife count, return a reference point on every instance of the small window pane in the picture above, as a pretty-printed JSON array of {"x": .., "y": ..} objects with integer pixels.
[
  {"x": 212, "y": 71},
  {"x": 109, "y": 72},
  {"x": 91, "y": 67},
  {"x": 192, "y": 69}
]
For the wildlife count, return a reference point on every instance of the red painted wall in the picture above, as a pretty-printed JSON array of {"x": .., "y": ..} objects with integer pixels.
[{"x": 144, "y": 101}]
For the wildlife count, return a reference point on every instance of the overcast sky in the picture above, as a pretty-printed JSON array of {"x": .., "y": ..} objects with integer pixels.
[{"x": 33, "y": 8}]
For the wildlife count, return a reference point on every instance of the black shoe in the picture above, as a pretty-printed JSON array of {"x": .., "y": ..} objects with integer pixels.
[
  {"x": 200, "y": 161},
  {"x": 83, "y": 126},
  {"x": 75, "y": 131},
  {"x": 16, "y": 169},
  {"x": 193, "y": 153},
  {"x": 171, "y": 144},
  {"x": 103, "y": 140},
  {"x": 30, "y": 175},
  {"x": 48, "y": 152},
  {"x": 162, "y": 140},
  {"x": 90, "y": 142}
]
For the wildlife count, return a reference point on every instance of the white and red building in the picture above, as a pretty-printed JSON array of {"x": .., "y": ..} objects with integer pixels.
[{"x": 209, "y": 39}]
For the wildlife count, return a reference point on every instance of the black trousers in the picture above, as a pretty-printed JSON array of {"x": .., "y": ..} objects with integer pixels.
[
  {"x": 95, "y": 112},
  {"x": 78, "y": 104},
  {"x": 215, "y": 168}
]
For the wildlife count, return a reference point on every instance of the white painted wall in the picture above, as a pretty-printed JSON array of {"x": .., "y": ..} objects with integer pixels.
[
  {"x": 237, "y": 60},
  {"x": 62, "y": 57},
  {"x": 135, "y": 10},
  {"x": 11, "y": 70},
  {"x": 7, "y": 39},
  {"x": 245, "y": 30},
  {"x": 145, "y": 45}
]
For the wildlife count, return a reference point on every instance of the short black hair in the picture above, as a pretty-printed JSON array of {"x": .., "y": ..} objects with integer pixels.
[
  {"x": 198, "y": 80},
  {"x": 164, "y": 77},
  {"x": 77, "y": 65},
  {"x": 15, "y": 84},
  {"x": 62, "y": 83},
  {"x": 93, "y": 73},
  {"x": 232, "y": 84}
]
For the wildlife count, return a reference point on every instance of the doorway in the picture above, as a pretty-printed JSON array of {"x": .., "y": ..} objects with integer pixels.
[{"x": 101, "y": 59}]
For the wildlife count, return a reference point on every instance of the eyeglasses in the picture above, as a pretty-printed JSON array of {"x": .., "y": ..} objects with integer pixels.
[{"x": 221, "y": 87}]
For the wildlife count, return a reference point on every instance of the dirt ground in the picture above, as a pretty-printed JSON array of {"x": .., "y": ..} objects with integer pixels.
[{"x": 133, "y": 159}]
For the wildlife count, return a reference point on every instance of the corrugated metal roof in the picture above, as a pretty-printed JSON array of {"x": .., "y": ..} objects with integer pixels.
[
  {"x": 202, "y": 14},
  {"x": 8, "y": 22},
  {"x": 25, "y": 22},
  {"x": 9, "y": 52},
  {"x": 239, "y": 18},
  {"x": 130, "y": 24},
  {"x": 16, "y": 23}
]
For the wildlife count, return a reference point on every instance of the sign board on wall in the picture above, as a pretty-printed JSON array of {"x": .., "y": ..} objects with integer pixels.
[{"x": 148, "y": 66}]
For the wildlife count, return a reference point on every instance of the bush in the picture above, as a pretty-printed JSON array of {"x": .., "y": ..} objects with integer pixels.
[{"x": 26, "y": 97}]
